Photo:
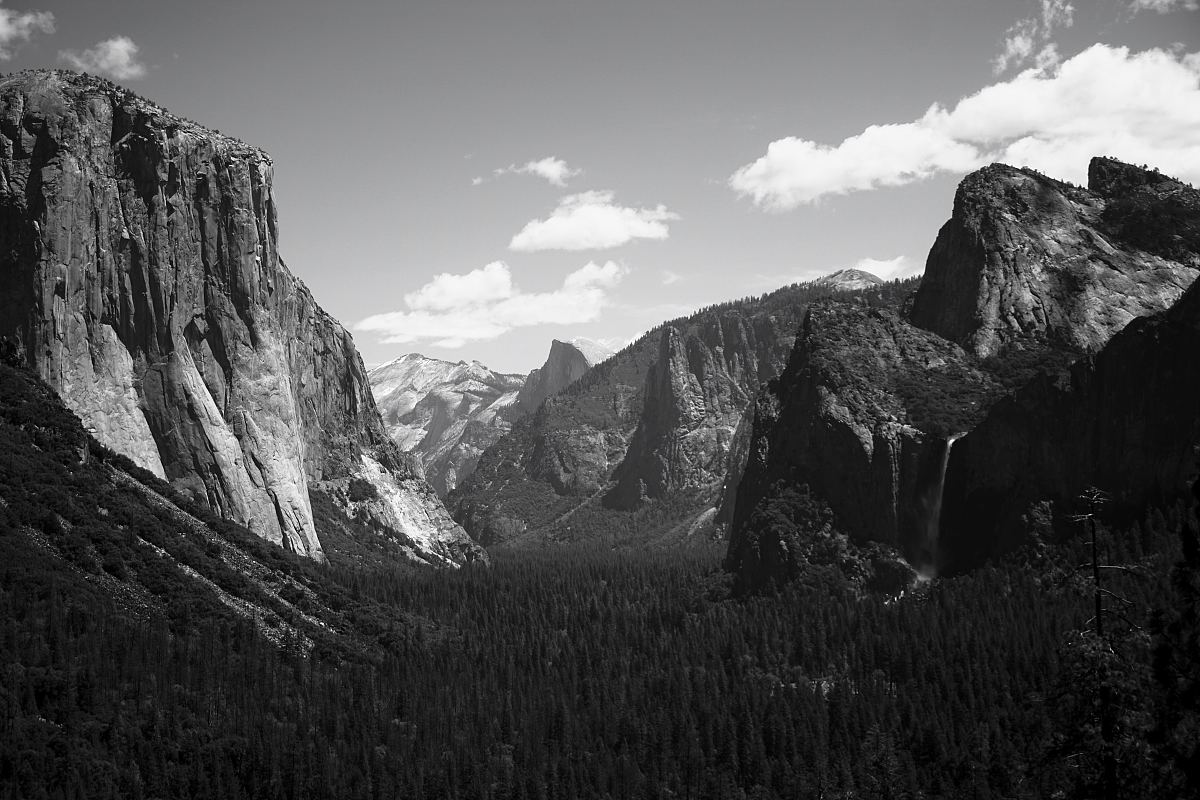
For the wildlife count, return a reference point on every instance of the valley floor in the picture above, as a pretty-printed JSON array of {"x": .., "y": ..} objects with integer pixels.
[{"x": 578, "y": 672}]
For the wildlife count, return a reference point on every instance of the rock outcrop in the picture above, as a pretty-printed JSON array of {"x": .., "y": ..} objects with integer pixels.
[
  {"x": 696, "y": 391},
  {"x": 857, "y": 424},
  {"x": 1126, "y": 421},
  {"x": 142, "y": 280},
  {"x": 863, "y": 436},
  {"x": 444, "y": 413},
  {"x": 1027, "y": 261},
  {"x": 566, "y": 363}
]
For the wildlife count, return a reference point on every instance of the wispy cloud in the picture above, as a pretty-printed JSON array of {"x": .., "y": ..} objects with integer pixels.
[
  {"x": 592, "y": 221},
  {"x": 1163, "y": 6},
  {"x": 890, "y": 268},
  {"x": 116, "y": 57},
  {"x": 18, "y": 27},
  {"x": 1029, "y": 39},
  {"x": 670, "y": 276},
  {"x": 484, "y": 303},
  {"x": 552, "y": 169},
  {"x": 1142, "y": 107}
]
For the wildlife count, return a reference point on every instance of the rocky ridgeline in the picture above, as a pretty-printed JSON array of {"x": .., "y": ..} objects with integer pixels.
[
  {"x": 853, "y": 442},
  {"x": 142, "y": 281},
  {"x": 444, "y": 413},
  {"x": 641, "y": 446}
]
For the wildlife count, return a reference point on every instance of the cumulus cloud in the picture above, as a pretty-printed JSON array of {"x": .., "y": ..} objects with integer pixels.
[
  {"x": 484, "y": 303},
  {"x": 1163, "y": 6},
  {"x": 18, "y": 27},
  {"x": 1141, "y": 107},
  {"x": 116, "y": 57},
  {"x": 592, "y": 221},
  {"x": 890, "y": 268},
  {"x": 551, "y": 169},
  {"x": 1033, "y": 34}
]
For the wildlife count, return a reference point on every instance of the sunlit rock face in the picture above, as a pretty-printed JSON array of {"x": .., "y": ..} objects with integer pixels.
[
  {"x": 142, "y": 280},
  {"x": 444, "y": 413},
  {"x": 695, "y": 395},
  {"x": 1026, "y": 259}
]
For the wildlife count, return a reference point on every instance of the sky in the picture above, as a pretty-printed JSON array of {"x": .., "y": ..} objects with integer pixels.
[{"x": 469, "y": 179}]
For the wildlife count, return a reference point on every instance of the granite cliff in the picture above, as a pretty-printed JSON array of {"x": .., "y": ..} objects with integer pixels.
[
  {"x": 637, "y": 450},
  {"x": 566, "y": 363},
  {"x": 1026, "y": 261},
  {"x": 142, "y": 281},
  {"x": 859, "y": 423},
  {"x": 861, "y": 440},
  {"x": 444, "y": 413},
  {"x": 1126, "y": 421}
]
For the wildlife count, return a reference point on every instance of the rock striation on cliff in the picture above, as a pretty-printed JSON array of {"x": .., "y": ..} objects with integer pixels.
[
  {"x": 143, "y": 282},
  {"x": 444, "y": 413},
  {"x": 702, "y": 380},
  {"x": 906, "y": 434}
]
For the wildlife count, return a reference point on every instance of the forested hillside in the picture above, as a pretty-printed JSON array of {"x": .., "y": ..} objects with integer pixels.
[{"x": 576, "y": 671}]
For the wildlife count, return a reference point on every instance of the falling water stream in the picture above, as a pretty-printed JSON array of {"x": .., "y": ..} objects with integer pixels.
[{"x": 933, "y": 520}]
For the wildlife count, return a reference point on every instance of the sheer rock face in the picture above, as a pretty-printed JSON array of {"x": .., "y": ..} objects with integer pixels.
[
  {"x": 837, "y": 421},
  {"x": 446, "y": 414},
  {"x": 566, "y": 363},
  {"x": 695, "y": 395},
  {"x": 1126, "y": 421},
  {"x": 1025, "y": 258},
  {"x": 655, "y": 421},
  {"x": 142, "y": 281},
  {"x": 1029, "y": 274}
]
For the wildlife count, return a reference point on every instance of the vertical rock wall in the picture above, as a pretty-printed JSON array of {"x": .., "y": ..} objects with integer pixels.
[{"x": 142, "y": 279}]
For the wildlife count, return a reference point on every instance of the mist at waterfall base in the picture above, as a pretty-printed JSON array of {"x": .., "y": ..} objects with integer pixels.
[{"x": 925, "y": 559}]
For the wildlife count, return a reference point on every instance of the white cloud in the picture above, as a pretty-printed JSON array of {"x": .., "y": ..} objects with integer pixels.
[
  {"x": 890, "y": 268},
  {"x": 17, "y": 27},
  {"x": 484, "y": 303},
  {"x": 1163, "y": 6},
  {"x": 1143, "y": 108},
  {"x": 591, "y": 221},
  {"x": 476, "y": 180},
  {"x": 552, "y": 169},
  {"x": 670, "y": 276},
  {"x": 1034, "y": 33},
  {"x": 116, "y": 57}
]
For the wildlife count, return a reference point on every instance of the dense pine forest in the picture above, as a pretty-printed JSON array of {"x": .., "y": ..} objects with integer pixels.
[{"x": 579, "y": 672}]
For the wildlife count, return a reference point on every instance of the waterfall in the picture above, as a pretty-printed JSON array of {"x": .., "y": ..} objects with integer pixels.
[{"x": 933, "y": 517}]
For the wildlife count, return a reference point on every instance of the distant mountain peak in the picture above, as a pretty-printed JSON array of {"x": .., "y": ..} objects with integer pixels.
[{"x": 849, "y": 280}]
